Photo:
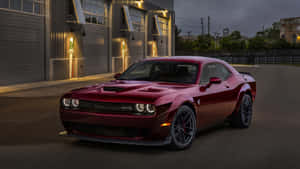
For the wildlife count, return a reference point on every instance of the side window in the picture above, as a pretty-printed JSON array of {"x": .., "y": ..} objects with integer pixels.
[
  {"x": 214, "y": 70},
  {"x": 208, "y": 72},
  {"x": 222, "y": 72}
]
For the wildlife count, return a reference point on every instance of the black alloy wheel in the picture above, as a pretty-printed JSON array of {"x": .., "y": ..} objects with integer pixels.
[
  {"x": 183, "y": 128},
  {"x": 243, "y": 117}
]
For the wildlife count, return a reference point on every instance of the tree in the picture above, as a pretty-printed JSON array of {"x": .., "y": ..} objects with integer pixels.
[
  {"x": 281, "y": 44},
  {"x": 236, "y": 35},
  {"x": 204, "y": 42},
  {"x": 233, "y": 42},
  {"x": 178, "y": 40},
  {"x": 257, "y": 43}
]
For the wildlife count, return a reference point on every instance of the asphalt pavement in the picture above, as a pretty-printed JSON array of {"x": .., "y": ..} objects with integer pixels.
[{"x": 29, "y": 127}]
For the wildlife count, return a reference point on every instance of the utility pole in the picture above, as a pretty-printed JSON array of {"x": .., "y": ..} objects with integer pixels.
[
  {"x": 189, "y": 35},
  {"x": 208, "y": 25},
  {"x": 202, "y": 26},
  {"x": 217, "y": 35}
]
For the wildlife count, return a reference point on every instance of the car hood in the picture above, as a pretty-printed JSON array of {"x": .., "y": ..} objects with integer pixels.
[{"x": 129, "y": 91}]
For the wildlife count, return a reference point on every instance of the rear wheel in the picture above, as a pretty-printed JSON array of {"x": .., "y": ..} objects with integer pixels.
[
  {"x": 243, "y": 117},
  {"x": 183, "y": 128}
]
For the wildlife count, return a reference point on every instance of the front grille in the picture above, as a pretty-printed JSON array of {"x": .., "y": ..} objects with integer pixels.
[
  {"x": 106, "y": 107},
  {"x": 106, "y": 131}
]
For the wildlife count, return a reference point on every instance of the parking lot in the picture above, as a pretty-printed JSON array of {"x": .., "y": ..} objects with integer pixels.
[{"x": 29, "y": 127}]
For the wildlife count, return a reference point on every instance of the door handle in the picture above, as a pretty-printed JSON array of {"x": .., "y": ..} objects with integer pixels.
[{"x": 227, "y": 86}]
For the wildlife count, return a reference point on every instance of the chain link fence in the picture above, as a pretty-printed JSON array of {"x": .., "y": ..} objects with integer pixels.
[{"x": 250, "y": 57}]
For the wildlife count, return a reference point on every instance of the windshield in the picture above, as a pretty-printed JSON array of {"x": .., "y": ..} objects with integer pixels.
[{"x": 162, "y": 71}]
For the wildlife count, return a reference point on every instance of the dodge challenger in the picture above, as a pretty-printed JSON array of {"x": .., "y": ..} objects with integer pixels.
[{"x": 160, "y": 101}]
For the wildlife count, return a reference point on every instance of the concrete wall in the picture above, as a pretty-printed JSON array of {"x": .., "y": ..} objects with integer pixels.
[
  {"x": 135, "y": 41},
  {"x": 95, "y": 49},
  {"x": 139, "y": 44},
  {"x": 57, "y": 65},
  {"x": 36, "y": 48},
  {"x": 22, "y": 47},
  {"x": 91, "y": 54}
]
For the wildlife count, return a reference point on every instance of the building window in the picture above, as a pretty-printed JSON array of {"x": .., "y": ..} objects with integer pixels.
[
  {"x": 295, "y": 38},
  {"x": 164, "y": 26},
  {"x": 138, "y": 19},
  {"x": 4, "y": 4},
  {"x": 15, "y": 4},
  {"x": 29, "y": 6},
  {"x": 161, "y": 26},
  {"x": 94, "y": 11},
  {"x": 37, "y": 8}
]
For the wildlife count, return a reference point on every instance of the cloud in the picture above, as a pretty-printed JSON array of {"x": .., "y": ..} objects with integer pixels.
[{"x": 248, "y": 16}]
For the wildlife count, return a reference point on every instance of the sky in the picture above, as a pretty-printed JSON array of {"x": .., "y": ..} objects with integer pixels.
[{"x": 247, "y": 16}]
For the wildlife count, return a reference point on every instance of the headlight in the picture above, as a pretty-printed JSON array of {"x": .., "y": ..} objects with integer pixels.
[
  {"x": 140, "y": 108},
  {"x": 150, "y": 108},
  {"x": 145, "y": 108},
  {"x": 66, "y": 102},
  {"x": 75, "y": 103}
]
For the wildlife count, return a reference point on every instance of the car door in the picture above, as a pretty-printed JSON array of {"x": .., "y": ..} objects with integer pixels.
[
  {"x": 214, "y": 105},
  {"x": 227, "y": 93}
]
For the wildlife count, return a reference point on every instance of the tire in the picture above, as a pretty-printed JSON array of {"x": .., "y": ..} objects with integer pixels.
[
  {"x": 243, "y": 117},
  {"x": 183, "y": 128}
]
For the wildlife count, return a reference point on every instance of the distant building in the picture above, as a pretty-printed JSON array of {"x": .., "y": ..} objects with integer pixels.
[
  {"x": 226, "y": 32},
  {"x": 290, "y": 29}
]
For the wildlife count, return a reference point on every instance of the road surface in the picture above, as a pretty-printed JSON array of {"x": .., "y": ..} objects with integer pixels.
[{"x": 29, "y": 125}]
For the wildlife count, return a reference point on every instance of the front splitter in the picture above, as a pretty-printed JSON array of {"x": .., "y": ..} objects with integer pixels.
[{"x": 167, "y": 141}]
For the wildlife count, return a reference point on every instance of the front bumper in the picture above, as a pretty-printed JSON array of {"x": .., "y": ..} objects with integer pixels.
[
  {"x": 122, "y": 129},
  {"x": 167, "y": 141}
]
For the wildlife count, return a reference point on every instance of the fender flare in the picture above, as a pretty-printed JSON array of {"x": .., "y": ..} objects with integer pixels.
[
  {"x": 179, "y": 101},
  {"x": 245, "y": 89}
]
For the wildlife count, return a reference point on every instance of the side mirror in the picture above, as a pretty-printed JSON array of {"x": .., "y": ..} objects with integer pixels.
[
  {"x": 116, "y": 76},
  {"x": 215, "y": 80}
]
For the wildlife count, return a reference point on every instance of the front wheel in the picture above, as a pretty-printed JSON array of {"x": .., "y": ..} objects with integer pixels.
[
  {"x": 243, "y": 117},
  {"x": 183, "y": 128}
]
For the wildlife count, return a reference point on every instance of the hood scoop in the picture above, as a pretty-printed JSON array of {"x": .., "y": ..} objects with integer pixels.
[{"x": 113, "y": 89}]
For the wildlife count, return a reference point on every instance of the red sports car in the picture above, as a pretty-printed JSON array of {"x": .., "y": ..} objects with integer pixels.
[{"x": 160, "y": 101}]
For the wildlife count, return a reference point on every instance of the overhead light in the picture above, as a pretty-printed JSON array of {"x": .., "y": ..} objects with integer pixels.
[
  {"x": 139, "y": 3},
  {"x": 165, "y": 13}
]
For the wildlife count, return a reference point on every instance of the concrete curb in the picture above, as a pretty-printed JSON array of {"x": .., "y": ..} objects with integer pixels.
[
  {"x": 27, "y": 86},
  {"x": 242, "y": 65}
]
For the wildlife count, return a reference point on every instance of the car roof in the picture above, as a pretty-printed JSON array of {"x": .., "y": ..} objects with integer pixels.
[{"x": 194, "y": 59}]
